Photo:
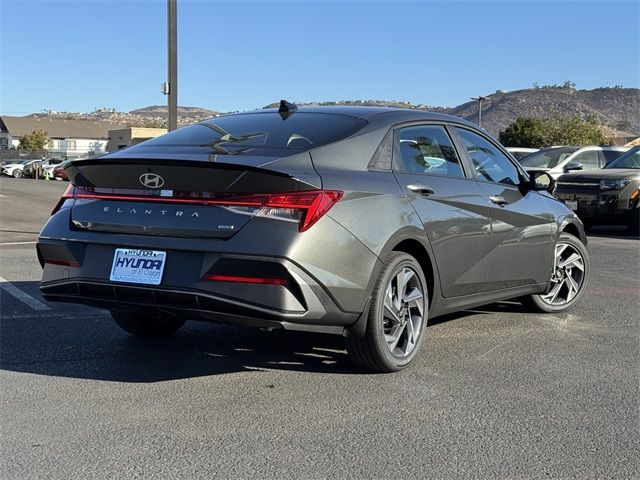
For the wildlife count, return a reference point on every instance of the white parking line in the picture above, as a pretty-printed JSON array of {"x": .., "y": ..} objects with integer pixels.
[
  {"x": 10, "y": 288},
  {"x": 18, "y": 243}
]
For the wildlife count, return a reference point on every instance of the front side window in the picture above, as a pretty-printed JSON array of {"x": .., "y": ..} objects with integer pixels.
[
  {"x": 489, "y": 163},
  {"x": 427, "y": 149},
  {"x": 588, "y": 159}
]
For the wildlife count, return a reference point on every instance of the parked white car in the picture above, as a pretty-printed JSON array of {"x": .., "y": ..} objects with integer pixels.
[
  {"x": 49, "y": 164},
  {"x": 520, "y": 152},
  {"x": 559, "y": 160},
  {"x": 14, "y": 169}
]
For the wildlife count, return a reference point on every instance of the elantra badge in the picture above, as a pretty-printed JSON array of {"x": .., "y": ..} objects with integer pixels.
[{"x": 151, "y": 180}]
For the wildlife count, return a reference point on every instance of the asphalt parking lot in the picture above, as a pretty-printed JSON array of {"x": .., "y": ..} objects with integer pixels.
[{"x": 496, "y": 392}]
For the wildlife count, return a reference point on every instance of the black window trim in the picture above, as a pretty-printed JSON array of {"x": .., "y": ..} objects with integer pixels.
[
  {"x": 445, "y": 126},
  {"x": 521, "y": 171}
]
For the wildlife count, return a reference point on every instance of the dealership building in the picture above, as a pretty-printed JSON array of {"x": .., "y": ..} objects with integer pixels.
[{"x": 126, "y": 137}]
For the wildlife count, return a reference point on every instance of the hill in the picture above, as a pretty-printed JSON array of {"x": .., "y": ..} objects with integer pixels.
[
  {"x": 161, "y": 111},
  {"x": 616, "y": 109},
  {"x": 151, "y": 116}
]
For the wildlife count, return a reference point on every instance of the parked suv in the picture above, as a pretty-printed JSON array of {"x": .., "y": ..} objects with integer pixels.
[
  {"x": 559, "y": 160},
  {"x": 607, "y": 196}
]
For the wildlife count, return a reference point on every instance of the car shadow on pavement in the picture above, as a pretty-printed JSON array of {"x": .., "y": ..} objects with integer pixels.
[
  {"x": 611, "y": 231},
  {"x": 81, "y": 342}
]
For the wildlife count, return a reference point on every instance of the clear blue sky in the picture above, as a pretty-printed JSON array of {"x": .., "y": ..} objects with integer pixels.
[{"x": 78, "y": 55}]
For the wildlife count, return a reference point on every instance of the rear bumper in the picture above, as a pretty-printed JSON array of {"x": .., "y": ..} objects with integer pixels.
[
  {"x": 302, "y": 304},
  {"x": 191, "y": 305}
]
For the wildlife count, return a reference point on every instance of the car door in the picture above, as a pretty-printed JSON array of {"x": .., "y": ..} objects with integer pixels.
[
  {"x": 452, "y": 207},
  {"x": 521, "y": 229}
]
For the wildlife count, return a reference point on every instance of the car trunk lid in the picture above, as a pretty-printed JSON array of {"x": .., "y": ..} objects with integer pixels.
[{"x": 183, "y": 198}]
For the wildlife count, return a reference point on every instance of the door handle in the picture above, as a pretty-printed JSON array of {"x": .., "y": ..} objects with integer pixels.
[
  {"x": 421, "y": 189},
  {"x": 499, "y": 200}
]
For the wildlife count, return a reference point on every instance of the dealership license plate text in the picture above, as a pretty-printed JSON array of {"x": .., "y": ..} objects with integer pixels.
[{"x": 137, "y": 266}]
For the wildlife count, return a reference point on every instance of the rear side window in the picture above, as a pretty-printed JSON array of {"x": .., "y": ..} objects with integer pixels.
[
  {"x": 610, "y": 155},
  {"x": 296, "y": 131},
  {"x": 427, "y": 149}
]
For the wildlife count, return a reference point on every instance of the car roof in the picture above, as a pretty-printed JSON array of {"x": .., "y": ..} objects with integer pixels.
[
  {"x": 587, "y": 147},
  {"x": 372, "y": 114}
]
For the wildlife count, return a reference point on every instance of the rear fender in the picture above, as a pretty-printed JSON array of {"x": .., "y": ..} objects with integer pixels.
[{"x": 412, "y": 234}]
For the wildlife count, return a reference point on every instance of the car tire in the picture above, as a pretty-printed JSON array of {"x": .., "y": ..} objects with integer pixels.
[
  {"x": 392, "y": 339},
  {"x": 543, "y": 302},
  {"x": 145, "y": 325},
  {"x": 17, "y": 173}
]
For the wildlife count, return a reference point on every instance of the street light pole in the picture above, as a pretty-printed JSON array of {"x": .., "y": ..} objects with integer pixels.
[
  {"x": 480, "y": 99},
  {"x": 172, "y": 50}
]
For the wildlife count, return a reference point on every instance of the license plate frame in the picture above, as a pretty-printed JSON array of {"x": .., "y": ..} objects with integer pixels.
[
  {"x": 138, "y": 266},
  {"x": 572, "y": 204}
]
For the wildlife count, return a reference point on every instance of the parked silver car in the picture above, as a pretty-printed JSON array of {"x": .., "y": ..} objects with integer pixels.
[
  {"x": 357, "y": 221},
  {"x": 559, "y": 160}
]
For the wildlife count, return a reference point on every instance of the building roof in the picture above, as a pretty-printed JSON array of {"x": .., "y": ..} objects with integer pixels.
[
  {"x": 56, "y": 127},
  {"x": 137, "y": 132}
]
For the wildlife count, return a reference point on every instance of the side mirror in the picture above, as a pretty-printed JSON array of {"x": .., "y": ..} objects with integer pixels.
[
  {"x": 540, "y": 181},
  {"x": 571, "y": 166}
]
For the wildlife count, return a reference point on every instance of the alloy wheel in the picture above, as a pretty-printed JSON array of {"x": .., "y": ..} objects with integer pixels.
[
  {"x": 403, "y": 312},
  {"x": 568, "y": 275}
]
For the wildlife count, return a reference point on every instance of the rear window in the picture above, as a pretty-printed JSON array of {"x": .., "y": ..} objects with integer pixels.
[{"x": 296, "y": 131}]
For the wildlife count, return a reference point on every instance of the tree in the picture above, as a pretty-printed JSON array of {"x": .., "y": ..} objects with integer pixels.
[
  {"x": 554, "y": 130},
  {"x": 154, "y": 123},
  {"x": 36, "y": 140},
  {"x": 524, "y": 132},
  {"x": 572, "y": 130}
]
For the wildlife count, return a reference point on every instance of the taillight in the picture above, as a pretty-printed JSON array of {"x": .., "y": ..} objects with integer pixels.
[
  {"x": 308, "y": 206},
  {"x": 67, "y": 195}
]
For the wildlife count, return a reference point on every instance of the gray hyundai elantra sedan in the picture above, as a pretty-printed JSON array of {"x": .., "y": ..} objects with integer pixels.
[{"x": 356, "y": 221}]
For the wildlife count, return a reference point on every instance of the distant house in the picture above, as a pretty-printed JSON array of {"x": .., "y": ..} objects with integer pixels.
[
  {"x": 70, "y": 138},
  {"x": 126, "y": 137}
]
